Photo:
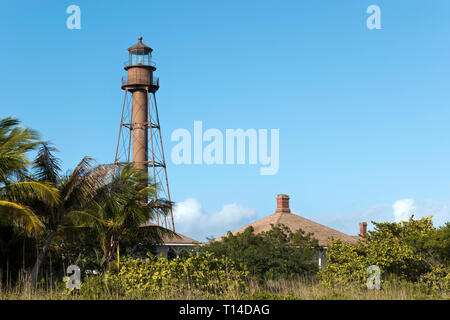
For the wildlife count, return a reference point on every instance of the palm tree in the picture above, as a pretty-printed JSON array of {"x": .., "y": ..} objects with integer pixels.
[
  {"x": 15, "y": 187},
  {"x": 123, "y": 208},
  {"x": 75, "y": 190}
]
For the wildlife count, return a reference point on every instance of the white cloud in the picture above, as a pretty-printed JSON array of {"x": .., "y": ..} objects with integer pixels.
[
  {"x": 349, "y": 222},
  {"x": 400, "y": 210},
  {"x": 424, "y": 208},
  {"x": 403, "y": 209},
  {"x": 192, "y": 221}
]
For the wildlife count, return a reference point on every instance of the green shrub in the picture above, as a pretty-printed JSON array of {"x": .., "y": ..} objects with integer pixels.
[
  {"x": 405, "y": 250},
  {"x": 274, "y": 254},
  {"x": 200, "y": 275},
  {"x": 437, "y": 280},
  {"x": 346, "y": 265}
]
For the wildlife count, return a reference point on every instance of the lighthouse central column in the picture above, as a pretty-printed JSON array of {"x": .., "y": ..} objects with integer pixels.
[{"x": 140, "y": 129}]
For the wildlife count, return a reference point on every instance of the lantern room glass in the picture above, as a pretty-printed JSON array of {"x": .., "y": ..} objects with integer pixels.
[{"x": 139, "y": 57}]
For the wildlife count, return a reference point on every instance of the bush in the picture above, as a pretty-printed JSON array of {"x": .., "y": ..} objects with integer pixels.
[
  {"x": 437, "y": 280},
  {"x": 404, "y": 250},
  {"x": 277, "y": 253},
  {"x": 199, "y": 275},
  {"x": 346, "y": 264}
]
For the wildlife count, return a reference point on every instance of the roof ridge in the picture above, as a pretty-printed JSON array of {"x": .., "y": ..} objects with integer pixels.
[
  {"x": 294, "y": 221},
  {"x": 322, "y": 225}
]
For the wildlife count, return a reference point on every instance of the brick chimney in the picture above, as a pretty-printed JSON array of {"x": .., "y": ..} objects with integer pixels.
[
  {"x": 363, "y": 229},
  {"x": 283, "y": 203}
]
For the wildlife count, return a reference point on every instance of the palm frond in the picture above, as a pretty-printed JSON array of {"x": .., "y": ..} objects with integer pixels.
[
  {"x": 43, "y": 191},
  {"x": 155, "y": 233},
  {"x": 147, "y": 192},
  {"x": 86, "y": 181},
  {"x": 21, "y": 214},
  {"x": 46, "y": 165},
  {"x": 15, "y": 141},
  {"x": 77, "y": 176},
  {"x": 87, "y": 215}
]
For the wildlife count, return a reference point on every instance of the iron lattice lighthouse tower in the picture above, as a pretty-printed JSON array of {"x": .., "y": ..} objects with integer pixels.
[{"x": 140, "y": 141}]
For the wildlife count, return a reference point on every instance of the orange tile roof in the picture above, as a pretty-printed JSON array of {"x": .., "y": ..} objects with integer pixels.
[
  {"x": 294, "y": 222},
  {"x": 179, "y": 239}
]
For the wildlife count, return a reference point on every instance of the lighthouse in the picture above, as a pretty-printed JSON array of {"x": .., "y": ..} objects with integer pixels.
[{"x": 140, "y": 141}]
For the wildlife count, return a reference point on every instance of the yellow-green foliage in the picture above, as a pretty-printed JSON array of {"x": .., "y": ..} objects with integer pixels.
[
  {"x": 346, "y": 264},
  {"x": 398, "y": 249},
  {"x": 95, "y": 288},
  {"x": 437, "y": 280},
  {"x": 202, "y": 274}
]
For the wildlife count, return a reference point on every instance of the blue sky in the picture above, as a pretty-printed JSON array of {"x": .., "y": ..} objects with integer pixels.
[{"x": 363, "y": 114}]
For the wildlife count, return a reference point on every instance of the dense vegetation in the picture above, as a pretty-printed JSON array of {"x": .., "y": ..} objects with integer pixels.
[
  {"x": 274, "y": 254},
  {"x": 200, "y": 274},
  {"x": 49, "y": 220},
  {"x": 411, "y": 251},
  {"x": 92, "y": 215}
]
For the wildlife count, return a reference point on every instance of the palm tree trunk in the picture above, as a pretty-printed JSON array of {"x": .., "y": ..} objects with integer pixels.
[
  {"x": 110, "y": 249},
  {"x": 40, "y": 257},
  {"x": 113, "y": 245}
]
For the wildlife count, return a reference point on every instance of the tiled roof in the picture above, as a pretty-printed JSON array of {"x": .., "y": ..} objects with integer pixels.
[
  {"x": 295, "y": 222},
  {"x": 180, "y": 239}
]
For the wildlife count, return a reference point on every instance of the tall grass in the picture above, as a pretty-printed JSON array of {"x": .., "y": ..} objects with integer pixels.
[
  {"x": 22, "y": 288},
  {"x": 313, "y": 290},
  {"x": 94, "y": 288}
]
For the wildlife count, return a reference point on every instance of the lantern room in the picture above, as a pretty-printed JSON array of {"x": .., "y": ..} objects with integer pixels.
[
  {"x": 140, "y": 68},
  {"x": 140, "y": 54}
]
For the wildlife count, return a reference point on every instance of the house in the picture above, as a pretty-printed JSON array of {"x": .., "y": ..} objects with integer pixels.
[
  {"x": 284, "y": 216},
  {"x": 175, "y": 244}
]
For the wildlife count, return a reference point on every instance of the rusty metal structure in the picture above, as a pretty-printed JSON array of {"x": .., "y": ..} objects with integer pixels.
[{"x": 139, "y": 141}]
